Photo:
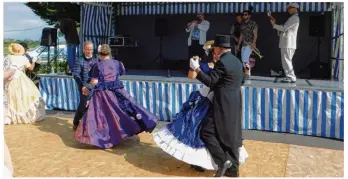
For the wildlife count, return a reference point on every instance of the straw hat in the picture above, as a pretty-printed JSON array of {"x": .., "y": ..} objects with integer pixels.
[{"x": 16, "y": 49}]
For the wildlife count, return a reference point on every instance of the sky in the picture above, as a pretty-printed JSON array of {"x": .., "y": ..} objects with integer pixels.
[{"x": 17, "y": 16}]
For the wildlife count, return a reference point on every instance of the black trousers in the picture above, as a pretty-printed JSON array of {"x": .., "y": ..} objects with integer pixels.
[
  {"x": 220, "y": 152},
  {"x": 81, "y": 109},
  {"x": 196, "y": 49}
]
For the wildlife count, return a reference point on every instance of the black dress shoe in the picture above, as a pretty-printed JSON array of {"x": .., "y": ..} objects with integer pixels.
[
  {"x": 222, "y": 170},
  {"x": 233, "y": 171},
  {"x": 232, "y": 174},
  {"x": 197, "y": 168}
]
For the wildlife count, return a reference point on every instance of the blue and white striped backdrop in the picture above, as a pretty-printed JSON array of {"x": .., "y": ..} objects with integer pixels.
[
  {"x": 338, "y": 41},
  {"x": 316, "y": 113},
  {"x": 96, "y": 23},
  {"x": 157, "y": 8}
]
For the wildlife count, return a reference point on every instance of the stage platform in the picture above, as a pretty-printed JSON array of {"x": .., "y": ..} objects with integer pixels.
[{"x": 308, "y": 107}]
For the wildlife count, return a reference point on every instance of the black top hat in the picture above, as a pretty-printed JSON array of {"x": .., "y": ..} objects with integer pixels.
[{"x": 222, "y": 41}]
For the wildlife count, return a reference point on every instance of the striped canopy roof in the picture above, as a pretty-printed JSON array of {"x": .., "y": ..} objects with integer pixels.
[{"x": 168, "y": 8}]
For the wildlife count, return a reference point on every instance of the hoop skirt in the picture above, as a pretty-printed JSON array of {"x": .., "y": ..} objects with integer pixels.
[
  {"x": 112, "y": 114},
  {"x": 181, "y": 139},
  {"x": 23, "y": 102}
]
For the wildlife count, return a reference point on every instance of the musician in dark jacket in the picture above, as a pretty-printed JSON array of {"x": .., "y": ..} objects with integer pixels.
[
  {"x": 221, "y": 129},
  {"x": 80, "y": 73},
  {"x": 235, "y": 33},
  {"x": 68, "y": 28}
]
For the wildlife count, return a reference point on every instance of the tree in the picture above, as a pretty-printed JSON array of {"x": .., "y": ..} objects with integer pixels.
[{"x": 51, "y": 12}]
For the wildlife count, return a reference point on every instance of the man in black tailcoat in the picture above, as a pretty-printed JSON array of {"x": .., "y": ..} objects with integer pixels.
[{"x": 221, "y": 129}]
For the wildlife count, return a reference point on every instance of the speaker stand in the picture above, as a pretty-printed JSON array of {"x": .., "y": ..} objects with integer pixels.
[
  {"x": 318, "y": 49},
  {"x": 314, "y": 65},
  {"x": 160, "y": 57}
]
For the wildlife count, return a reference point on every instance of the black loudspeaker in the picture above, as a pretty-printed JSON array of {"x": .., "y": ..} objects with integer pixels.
[
  {"x": 317, "y": 26},
  {"x": 49, "y": 37},
  {"x": 161, "y": 28}
]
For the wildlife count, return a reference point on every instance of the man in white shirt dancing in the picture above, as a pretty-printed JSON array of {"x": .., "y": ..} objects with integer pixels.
[{"x": 288, "y": 40}]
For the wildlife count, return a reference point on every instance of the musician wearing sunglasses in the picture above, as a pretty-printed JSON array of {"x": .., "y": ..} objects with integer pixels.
[
  {"x": 248, "y": 37},
  {"x": 287, "y": 41}
]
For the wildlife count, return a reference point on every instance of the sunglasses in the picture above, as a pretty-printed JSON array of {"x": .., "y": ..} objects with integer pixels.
[{"x": 245, "y": 14}]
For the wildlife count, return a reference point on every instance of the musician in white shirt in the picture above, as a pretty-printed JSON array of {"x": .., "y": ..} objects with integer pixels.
[
  {"x": 288, "y": 40},
  {"x": 197, "y": 30}
]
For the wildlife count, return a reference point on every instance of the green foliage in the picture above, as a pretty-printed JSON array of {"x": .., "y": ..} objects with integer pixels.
[
  {"x": 51, "y": 12},
  {"x": 31, "y": 43},
  {"x": 59, "y": 67}
]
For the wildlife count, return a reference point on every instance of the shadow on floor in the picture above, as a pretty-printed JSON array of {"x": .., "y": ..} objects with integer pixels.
[
  {"x": 63, "y": 129},
  {"x": 145, "y": 156},
  {"x": 256, "y": 135}
]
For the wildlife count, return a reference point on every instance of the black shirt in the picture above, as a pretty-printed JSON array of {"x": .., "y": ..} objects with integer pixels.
[{"x": 236, "y": 32}]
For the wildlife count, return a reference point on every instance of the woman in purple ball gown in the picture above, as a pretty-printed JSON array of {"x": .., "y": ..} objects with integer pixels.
[{"x": 112, "y": 114}]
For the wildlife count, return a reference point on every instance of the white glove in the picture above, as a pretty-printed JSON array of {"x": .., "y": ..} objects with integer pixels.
[{"x": 194, "y": 64}]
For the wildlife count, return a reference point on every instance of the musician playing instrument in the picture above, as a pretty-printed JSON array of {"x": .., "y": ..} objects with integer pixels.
[
  {"x": 248, "y": 37},
  {"x": 197, "y": 30},
  {"x": 288, "y": 40},
  {"x": 235, "y": 33}
]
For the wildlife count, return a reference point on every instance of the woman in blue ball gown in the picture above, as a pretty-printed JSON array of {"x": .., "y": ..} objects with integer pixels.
[
  {"x": 112, "y": 114},
  {"x": 180, "y": 138}
]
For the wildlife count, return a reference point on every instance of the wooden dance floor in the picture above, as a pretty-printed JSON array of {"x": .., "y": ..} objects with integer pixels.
[{"x": 47, "y": 149}]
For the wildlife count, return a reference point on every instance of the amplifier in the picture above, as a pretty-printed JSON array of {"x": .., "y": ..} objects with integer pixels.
[{"x": 120, "y": 41}]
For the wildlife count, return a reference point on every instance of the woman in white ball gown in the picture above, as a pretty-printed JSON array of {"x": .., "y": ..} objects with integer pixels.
[{"x": 24, "y": 102}]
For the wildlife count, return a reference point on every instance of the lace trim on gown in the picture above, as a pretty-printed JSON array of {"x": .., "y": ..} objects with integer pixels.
[{"x": 165, "y": 140}]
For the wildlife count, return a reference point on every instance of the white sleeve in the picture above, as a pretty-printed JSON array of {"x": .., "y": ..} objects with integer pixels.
[
  {"x": 204, "y": 26},
  {"x": 288, "y": 24},
  {"x": 26, "y": 62}
]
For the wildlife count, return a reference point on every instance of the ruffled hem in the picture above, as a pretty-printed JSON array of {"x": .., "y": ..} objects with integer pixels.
[
  {"x": 165, "y": 140},
  {"x": 35, "y": 113}
]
